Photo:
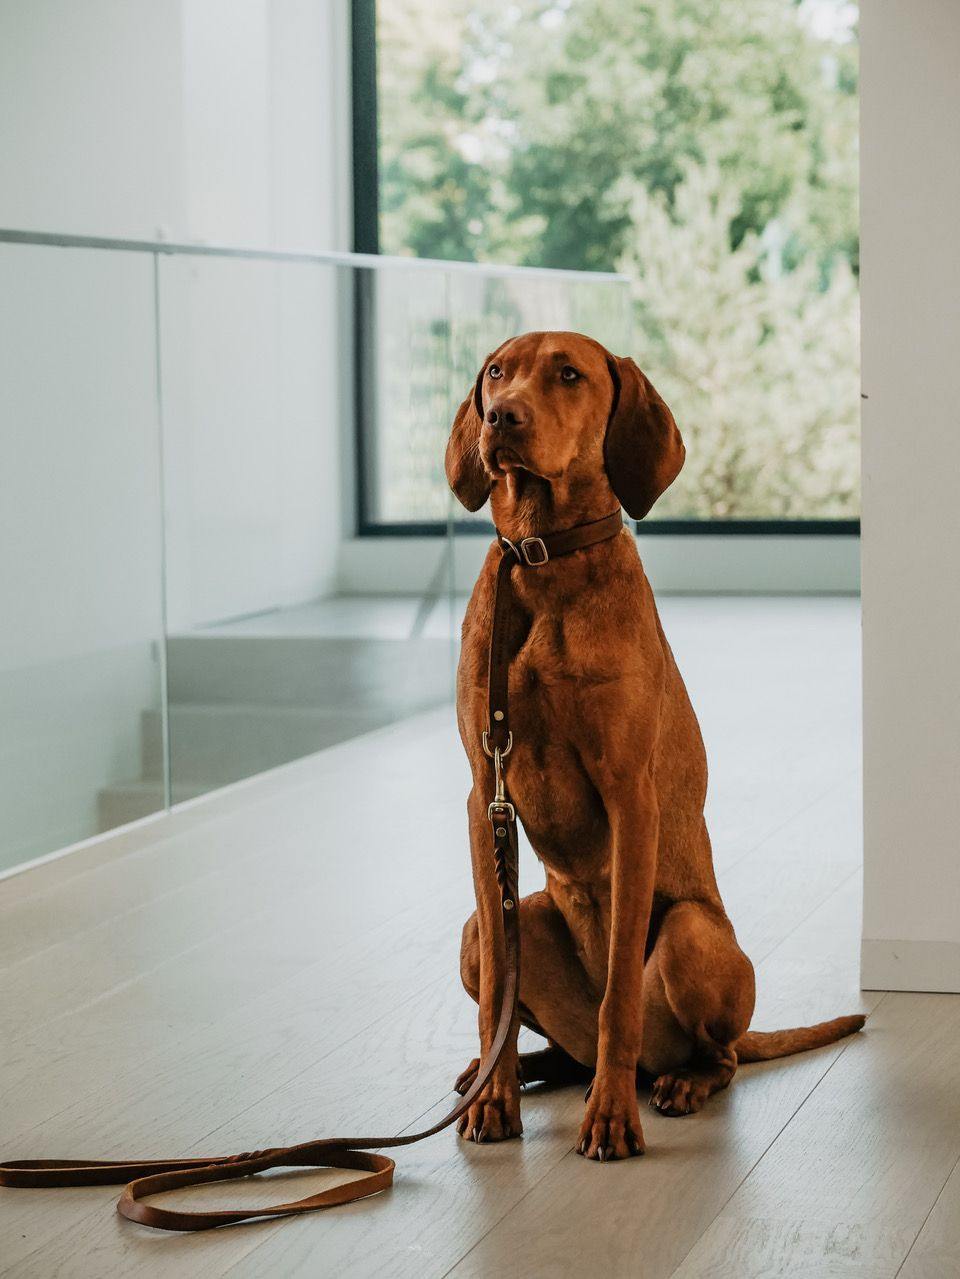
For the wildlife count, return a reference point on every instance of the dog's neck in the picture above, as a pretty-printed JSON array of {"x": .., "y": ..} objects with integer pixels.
[{"x": 526, "y": 505}]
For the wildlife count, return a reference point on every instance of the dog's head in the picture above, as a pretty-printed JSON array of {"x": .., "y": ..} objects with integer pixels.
[{"x": 558, "y": 406}]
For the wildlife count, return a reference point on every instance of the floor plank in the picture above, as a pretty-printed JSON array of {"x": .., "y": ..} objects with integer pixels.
[
  {"x": 935, "y": 1253},
  {"x": 53, "y": 904},
  {"x": 778, "y": 1244},
  {"x": 776, "y": 687},
  {"x": 791, "y": 872},
  {"x": 859, "y": 1166}
]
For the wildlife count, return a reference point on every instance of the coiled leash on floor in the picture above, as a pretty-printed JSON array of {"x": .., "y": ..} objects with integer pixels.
[{"x": 154, "y": 1176}]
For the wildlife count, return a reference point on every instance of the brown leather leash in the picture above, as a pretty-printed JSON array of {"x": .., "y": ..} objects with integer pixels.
[{"x": 155, "y": 1176}]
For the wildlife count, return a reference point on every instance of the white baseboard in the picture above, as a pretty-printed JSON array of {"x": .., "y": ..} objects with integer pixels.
[
  {"x": 707, "y": 563},
  {"x": 751, "y": 564},
  {"x": 910, "y": 965}
]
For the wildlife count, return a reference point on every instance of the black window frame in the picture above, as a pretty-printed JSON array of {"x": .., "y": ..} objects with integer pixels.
[{"x": 366, "y": 239}]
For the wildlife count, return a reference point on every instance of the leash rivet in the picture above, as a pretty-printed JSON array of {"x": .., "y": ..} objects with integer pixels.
[
  {"x": 501, "y": 831},
  {"x": 498, "y": 715},
  {"x": 508, "y": 904}
]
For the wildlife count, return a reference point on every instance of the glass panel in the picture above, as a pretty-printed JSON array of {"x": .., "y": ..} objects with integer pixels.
[
  {"x": 192, "y": 607},
  {"x": 406, "y": 347},
  {"x": 80, "y": 547},
  {"x": 273, "y": 652},
  {"x": 709, "y": 154}
]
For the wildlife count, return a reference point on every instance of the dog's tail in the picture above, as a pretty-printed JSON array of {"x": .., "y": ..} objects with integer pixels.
[{"x": 765, "y": 1045}]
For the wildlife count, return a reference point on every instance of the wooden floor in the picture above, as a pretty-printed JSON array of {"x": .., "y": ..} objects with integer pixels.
[{"x": 279, "y": 961}]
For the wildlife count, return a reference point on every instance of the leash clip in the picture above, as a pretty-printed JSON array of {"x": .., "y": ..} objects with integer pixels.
[{"x": 500, "y": 803}]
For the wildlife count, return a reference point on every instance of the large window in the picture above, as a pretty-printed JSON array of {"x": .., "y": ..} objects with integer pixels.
[{"x": 705, "y": 148}]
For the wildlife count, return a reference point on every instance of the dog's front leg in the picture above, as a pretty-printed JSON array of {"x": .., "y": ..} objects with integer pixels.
[
  {"x": 495, "y": 1115},
  {"x": 611, "y": 1126}
]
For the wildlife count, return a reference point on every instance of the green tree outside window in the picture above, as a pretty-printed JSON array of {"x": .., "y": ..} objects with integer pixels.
[{"x": 706, "y": 148}]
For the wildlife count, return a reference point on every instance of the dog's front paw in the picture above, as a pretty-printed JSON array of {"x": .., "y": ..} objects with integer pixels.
[
  {"x": 494, "y": 1116},
  {"x": 611, "y": 1126}
]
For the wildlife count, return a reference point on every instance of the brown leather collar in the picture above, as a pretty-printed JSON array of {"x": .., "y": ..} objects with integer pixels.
[
  {"x": 534, "y": 552},
  {"x": 529, "y": 552}
]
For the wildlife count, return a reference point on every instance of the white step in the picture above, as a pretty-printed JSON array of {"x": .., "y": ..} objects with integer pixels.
[
  {"x": 336, "y": 673},
  {"x": 219, "y": 743}
]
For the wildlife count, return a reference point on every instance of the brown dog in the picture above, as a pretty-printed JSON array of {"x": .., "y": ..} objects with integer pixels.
[{"x": 629, "y": 960}]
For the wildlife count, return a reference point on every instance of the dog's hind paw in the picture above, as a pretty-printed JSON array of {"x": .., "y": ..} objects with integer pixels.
[
  {"x": 465, "y": 1078},
  {"x": 682, "y": 1094}
]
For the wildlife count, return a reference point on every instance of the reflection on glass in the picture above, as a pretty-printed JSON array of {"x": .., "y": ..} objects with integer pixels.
[{"x": 81, "y": 747}]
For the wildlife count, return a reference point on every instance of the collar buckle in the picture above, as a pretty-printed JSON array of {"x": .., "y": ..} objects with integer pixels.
[
  {"x": 534, "y": 551},
  {"x": 531, "y": 551}
]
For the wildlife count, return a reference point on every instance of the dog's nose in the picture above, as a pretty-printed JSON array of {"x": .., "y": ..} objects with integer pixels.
[{"x": 506, "y": 413}]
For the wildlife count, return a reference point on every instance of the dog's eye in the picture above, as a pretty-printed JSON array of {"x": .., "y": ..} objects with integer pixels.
[
  {"x": 495, "y": 371},
  {"x": 569, "y": 374}
]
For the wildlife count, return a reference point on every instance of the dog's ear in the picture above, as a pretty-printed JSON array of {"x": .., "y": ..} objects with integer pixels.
[
  {"x": 642, "y": 450},
  {"x": 466, "y": 473}
]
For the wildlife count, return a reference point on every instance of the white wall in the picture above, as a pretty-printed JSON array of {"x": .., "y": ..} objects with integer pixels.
[
  {"x": 264, "y": 122},
  {"x": 90, "y": 116},
  {"x": 252, "y": 352},
  {"x": 187, "y": 120},
  {"x": 910, "y": 144},
  {"x": 251, "y": 411},
  {"x": 208, "y": 121},
  {"x": 193, "y": 120}
]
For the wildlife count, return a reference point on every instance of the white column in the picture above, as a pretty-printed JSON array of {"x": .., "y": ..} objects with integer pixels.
[{"x": 910, "y": 145}]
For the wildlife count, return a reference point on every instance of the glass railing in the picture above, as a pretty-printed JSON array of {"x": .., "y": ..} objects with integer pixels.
[{"x": 186, "y": 434}]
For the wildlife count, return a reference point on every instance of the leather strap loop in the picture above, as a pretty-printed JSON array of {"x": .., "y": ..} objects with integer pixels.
[
  {"x": 145, "y": 1177},
  {"x": 130, "y": 1205}
]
